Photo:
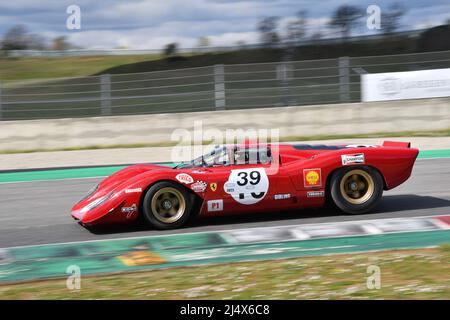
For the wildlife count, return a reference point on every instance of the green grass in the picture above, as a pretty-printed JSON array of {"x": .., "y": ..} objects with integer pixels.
[
  {"x": 405, "y": 274},
  {"x": 434, "y": 133},
  {"x": 44, "y": 68}
]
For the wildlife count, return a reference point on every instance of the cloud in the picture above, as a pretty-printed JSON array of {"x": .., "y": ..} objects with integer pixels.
[{"x": 145, "y": 24}]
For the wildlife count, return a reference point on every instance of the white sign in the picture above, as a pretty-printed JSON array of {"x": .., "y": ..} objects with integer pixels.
[{"x": 405, "y": 85}]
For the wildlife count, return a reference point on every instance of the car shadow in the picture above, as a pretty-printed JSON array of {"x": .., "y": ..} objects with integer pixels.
[{"x": 388, "y": 204}]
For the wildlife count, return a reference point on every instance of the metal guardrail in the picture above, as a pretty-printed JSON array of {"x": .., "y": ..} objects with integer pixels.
[{"x": 219, "y": 87}]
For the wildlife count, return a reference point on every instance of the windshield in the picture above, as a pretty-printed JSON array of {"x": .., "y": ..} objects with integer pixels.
[{"x": 217, "y": 157}]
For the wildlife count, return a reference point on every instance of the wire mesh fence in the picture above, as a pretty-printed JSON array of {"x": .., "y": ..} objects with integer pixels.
[{"x": 219, "y": 87}]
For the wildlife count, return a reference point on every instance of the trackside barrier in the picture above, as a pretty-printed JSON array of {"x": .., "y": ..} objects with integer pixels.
[{"x": 210, "y": 88}]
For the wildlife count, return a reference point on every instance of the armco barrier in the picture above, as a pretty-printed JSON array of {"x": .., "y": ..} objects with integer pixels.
[{"x": 332, "y": 119}]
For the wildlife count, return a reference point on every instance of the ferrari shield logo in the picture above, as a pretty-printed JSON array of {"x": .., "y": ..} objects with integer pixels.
[{"x": 213, "y": 186}]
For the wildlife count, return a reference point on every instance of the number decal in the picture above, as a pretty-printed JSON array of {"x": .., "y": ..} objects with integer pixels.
[
  {"x": 251, "y": 185},
  {"x": 255, "y": 176},
  {"x": 243, "y": 176}
]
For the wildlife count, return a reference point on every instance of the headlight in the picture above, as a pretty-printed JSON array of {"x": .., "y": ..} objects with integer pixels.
[
  {"x": 96, "y": 202},
  {"x": 90, "y": 192}
]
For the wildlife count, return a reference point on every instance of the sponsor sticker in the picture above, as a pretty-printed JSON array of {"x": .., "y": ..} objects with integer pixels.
[
  {"x": 352, "y": 158},
  {"x": 229, "y": 187},
  {"x": 312, "y": 177},
  {"x": 213, "y": 186},
  {"x": 215, "y": 205},
  {"x": 199, "y": 186},
  {"x": 282, "y": 196},
  {"x": 315, "y": 194},
  {"x": 184, "y": 178},
  {"x": 135, "y": 190},
  {"x": 129, "y": 210}
]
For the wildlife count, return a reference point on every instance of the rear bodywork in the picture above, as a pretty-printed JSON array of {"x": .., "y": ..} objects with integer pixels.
[{"x": 297, "y": 177}]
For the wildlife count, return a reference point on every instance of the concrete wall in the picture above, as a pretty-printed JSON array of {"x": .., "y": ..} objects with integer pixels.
[{"x": 354, "y": 118}]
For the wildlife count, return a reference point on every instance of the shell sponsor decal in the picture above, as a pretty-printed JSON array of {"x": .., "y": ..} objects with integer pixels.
[
  {"x": 247, "y": 186},
  {"x": 312, "y": 177},
  {"x": 184, "y": 178},
  {"x": 141, "y": 258}
]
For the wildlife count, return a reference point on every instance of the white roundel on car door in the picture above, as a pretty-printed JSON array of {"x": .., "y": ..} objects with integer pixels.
[{"x": 247, "y": 186}]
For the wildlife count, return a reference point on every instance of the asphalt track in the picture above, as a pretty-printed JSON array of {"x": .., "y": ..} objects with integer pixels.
[{"x": 37, "y": 212}]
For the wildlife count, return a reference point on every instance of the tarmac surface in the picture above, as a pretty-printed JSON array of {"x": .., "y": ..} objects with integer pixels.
[{"x": 38, "y": 212}]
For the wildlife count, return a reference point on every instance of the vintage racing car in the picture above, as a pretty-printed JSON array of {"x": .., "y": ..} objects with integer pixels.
[{"x": 256, "y": 177}]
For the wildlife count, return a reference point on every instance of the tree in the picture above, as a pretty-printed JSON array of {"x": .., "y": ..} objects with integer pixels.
[
  {"x": 267, "y": 27},
  {"x": 36, "y": 42},
  {"x": 61, "y": 43},
  {"x": 345, "y": 19},
  {"x": 15, "y": 38},
  {"x": 390, "y": 19},
  {"x": 170, "y": 49},
  {"x": 296, "y": 29}
]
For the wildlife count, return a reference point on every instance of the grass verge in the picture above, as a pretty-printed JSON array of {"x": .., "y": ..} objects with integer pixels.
[
  {"x": 434, "y": 133},
  {"x": 405, "y": 274},
  {"x": 44, "y": 68}
]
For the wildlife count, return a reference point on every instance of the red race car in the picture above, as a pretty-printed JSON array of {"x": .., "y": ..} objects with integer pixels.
[{"x": 249, "y": 178}]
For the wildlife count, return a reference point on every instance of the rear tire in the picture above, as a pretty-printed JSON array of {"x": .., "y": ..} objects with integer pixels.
[
  {"x": 356, "y": 190},
  {"x": 167, "y": 205}
]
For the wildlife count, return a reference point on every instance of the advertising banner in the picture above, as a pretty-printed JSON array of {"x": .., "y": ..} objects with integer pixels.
[{"x": 405, "y": 85}]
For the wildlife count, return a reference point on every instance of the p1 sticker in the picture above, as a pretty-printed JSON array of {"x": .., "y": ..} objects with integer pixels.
[
  {"x": 215, "y": 205},
  {"x": 312, "y": 177},
  {"x": 352, "y": 158},
  {"x": 184, "y": 178},
  {"x": 249, "y": 185}
]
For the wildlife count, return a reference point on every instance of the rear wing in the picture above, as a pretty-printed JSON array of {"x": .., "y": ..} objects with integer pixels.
[{"x": 397, "y": 144}]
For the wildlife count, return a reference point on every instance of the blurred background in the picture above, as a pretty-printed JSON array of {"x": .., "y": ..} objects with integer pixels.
[{"x": 60, "y": 59}]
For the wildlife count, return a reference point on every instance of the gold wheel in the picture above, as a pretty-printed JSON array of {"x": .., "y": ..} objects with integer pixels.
[
  {"x": 357, "y": 186},
  {"x": 168, "y": 205}
]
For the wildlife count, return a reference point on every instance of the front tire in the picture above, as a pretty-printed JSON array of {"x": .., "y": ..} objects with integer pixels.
[
  {"x": 166, "y": 205},
  {"x": 356, "y": 190}
]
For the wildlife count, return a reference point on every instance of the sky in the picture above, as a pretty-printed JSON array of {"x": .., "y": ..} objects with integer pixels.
[{"x": 151, "y": 24}]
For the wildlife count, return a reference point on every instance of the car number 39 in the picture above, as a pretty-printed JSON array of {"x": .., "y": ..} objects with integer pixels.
[
  {"x": 247, "y": 186},
  {"x": 255, "y": 178}
]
